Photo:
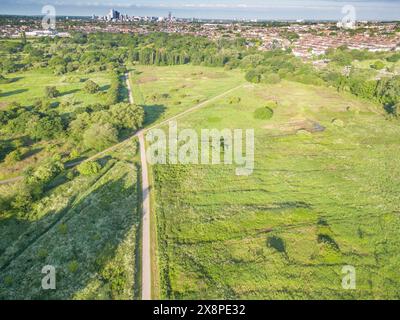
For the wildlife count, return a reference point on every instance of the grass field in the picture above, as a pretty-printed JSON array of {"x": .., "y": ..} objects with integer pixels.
[
  {"x": 317, "y": 201},
  {"x": 323, "y": 195},
  {"x": 167, "y": 91},
  {"x": 87, "y": 228},
  {"x": 28, "y": 86},
  {"x": 394, "y": 67}
]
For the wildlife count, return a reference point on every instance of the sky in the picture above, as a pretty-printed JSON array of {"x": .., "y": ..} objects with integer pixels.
[{"x": 215, "y": 9}]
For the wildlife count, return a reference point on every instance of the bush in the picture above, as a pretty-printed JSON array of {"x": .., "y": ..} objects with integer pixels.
[
  {"x": 89, "y": 168},
  {"x": 113, "y": 93},
  {"x": 264, "y": 113},
  {"x": 234, "y": 100},
  {"x": 378, "y": 65},
  {"x": 3, "y": 80},
  {"x": 42, "y": 105},
  {"x": 91, "y": 87},
  {"x": 51, "y": 92},
  {"x": 394, "y": 58},
  {"x": 253, "y": 76},
  {"x": 23, "y": 200},
  {"x": 73, "y": 266},
  {"x": 271, "y": 79},
  {"x": 100, "y": 136},
  {"x": 13, "y": 157},
  {"x": 48, "y": 127}
]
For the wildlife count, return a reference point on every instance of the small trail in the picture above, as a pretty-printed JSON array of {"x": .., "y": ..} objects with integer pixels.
[
  {"x": 146, "y": 239},
  {"x": 12, "y": 180}
]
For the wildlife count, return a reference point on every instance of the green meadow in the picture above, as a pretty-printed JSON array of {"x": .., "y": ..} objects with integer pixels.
[
  {"x": 323, "y": 195},
  {"x": 87, "y": 227},
  {"x": 27, "y": 87},
  {"x": 167, "y": 91}
]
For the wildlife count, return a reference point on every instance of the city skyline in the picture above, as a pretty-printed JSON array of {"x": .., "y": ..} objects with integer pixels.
[{"x": 221, "y": 9}]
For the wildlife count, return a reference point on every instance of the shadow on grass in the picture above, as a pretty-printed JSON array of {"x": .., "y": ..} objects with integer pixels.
[
  {"x": 105, "y": 87},
  {"x": 31, "y": 153},
  {"x": 80, "y": 241},
  {"x": 65, "y": 93},
  {"x": 277, "y": 243},
  {"x": 12, "y": 80},
  {"x": 153, "y": 113},
  {"x": 13, "y": 92}
]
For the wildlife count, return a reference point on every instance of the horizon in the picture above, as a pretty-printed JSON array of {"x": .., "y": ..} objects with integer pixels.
[
  {"x": 209, "y": 19},
  {"x": 269, "y": 10}
]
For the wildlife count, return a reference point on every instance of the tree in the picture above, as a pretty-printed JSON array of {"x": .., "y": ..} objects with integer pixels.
[
  {"x": 253, "y": 76},
  {"x": 271, "y": 78},
  {"x": 264, "y": 113},
  {"x": 23, "y": 38},
  {"x": 42, "y": 105},
  {"x": 113, "y": 93},
  {"x": 100, "y": 136},
  {"x": 48, "y": 127},
  {"x": 23, "y": 200},
  {"x": 378, "y": 65},
  {"x": 91, "y": 87},
  {"x": 51, "y": 92},
  {"x": 13, "y": 157},
  {"x": 89, "y": 168},
  {"x": 127, "y": 116},
  {"x": 3, "y": 79}
]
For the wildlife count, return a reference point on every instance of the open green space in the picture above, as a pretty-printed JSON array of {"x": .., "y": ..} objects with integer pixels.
[
  {"x": 167, "y": 91},
  {"x": 86, "y": 226},
  {"x": 323, "y": 195},
  {"x": 27, "y": 86}
]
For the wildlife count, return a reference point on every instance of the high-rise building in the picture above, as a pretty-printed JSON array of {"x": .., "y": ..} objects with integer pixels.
[{"x": 113, "y": 15}]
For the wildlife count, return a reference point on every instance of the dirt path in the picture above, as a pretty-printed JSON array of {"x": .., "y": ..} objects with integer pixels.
[
  {"x": 11, "y": 180},
  {"x": 146, "y": 240}
]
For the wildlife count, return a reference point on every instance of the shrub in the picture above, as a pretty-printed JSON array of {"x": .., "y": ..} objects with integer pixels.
[
  {"x": 91, "y": 87},
  {"x": 100, "y": 136},
  {"x": 63, "y": 228},
  {"x": 23, "y": 200},
  {"x": 264, "y": 113},
  {"x": 51, "y": 92},
  {"x": 3, "y": 80},
  {"x": 70, "y": 175},
  {"x": 394, "y": 58},
  {"x": 42, "y": 105},
  {"x": 271, "y": 79},
  {"x": 73, "y": 266},
  {"x": 378, "y": 65},
  {"x": 13, "y": 157},
  {"x": 235, "y": 100},
  {"x": 89, "y": 168},
  {"x": 74, "y": 154},
  {"x": 253, "y": 76}
]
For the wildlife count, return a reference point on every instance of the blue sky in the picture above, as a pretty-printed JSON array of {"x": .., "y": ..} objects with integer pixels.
[{"x": 261, "y": 9}]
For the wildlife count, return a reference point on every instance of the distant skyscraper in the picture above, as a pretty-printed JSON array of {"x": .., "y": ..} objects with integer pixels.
[{"x": 111, "y": 14}]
